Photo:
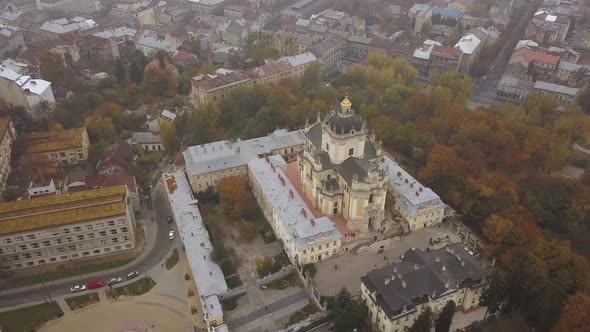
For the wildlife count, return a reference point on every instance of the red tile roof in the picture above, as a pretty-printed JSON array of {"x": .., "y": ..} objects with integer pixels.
[
  {"x": 446, "y": 51},
  {"x": 531, "y": 55}
]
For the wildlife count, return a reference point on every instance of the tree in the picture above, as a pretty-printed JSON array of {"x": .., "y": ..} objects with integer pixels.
[
  {"x": 311, "y": 76},
  {"x": 352, "y": 316},
  {"x": 575, "y": 316},
  {"x": 52, "y": 68},
  {"x": 423, "y": 323},
  {"x": 231, "y": 191},
  {"x": 263, "y": 266},
  {"x": 443, "y": 324},
  {"x": 100, "y": 128},
  {"x": 119, "y": 70},
  {"x": 135, "y": 72},
  {"x": 169, "y": 138},
  {"x": 109, "y": 109},
  {"x": 343, "y": 298},
  {"x": 160, "y": 82}
]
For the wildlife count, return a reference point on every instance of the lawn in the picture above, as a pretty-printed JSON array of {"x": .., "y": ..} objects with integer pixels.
[
  {"x": 29, "y": 318},
  {"x": 233, "y": 282},
  {"x": 138, "y": 287},
  {"x": 172, "y": 259},
  {"x": 78, "y": 302},
  {"x": 76, "y": 270}
]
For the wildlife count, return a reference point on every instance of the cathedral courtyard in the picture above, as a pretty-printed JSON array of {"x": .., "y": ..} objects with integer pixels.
[{"x": 350, "y": 267}]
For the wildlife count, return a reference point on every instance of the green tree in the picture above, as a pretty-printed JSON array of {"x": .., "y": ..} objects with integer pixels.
[
  {"x": 169, "y": 138},
  {"x": 135, "y": 72},
  {"x": 119, "y": 70},
  {"x": 443, "y": 323},
  {"x": 352, "y": 316},
  {"x": 423, "y": 323},
  {"x": 343, "y": 298}
]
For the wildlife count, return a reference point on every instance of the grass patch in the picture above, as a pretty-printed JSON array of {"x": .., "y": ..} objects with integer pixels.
[
  {"x": 172, "y": 259},
  {"x": 79, "y": 268},
  {"x": 290, "y": 280},
  {"x": 77, "y": 302},
  {"x": 138, "y": 287},
  {"x": 302, "y": 314},
  {"x": 29, "y": 318},
  {"x": 233, "y": 282}
]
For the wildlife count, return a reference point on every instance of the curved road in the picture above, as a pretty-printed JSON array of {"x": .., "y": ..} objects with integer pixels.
[{"x": 142, "y": 264}]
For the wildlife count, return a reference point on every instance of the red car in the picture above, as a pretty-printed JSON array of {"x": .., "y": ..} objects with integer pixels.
[{"x": 95, "y": 284}]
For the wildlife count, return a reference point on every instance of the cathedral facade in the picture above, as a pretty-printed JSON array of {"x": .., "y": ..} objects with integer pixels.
[{"x": 340, "y": 171}]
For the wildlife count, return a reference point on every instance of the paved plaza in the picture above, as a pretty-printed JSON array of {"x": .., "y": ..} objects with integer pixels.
[{"x": 351, "y": 267}]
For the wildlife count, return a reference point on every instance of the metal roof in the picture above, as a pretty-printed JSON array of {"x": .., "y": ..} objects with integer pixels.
[
  {"x": 211, "y": 157},
  {"x": 288, "y": 205},
  {"x": 208, "y": 276},
  {"x": 556, "y": 88}
]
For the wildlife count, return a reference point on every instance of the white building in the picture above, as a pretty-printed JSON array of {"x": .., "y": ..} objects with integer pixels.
[
  {"x": 395, "y": 295},
  {"x": 206, "y": 164},
  {"x": 146, "y": 141},
  {"x": 564, "y": 94},
  {"x": 207, "y": 275},
  {"x": 470, "y": 46},
  {"x": 7, "y": 135},
  {"x": 64, "y": 26},
  {"x": 17, "y": 89},
  {"x": 42, "y": 188},
  {"x": 306, "y": 239},
  {"x": 71, "y": 6},
  {"x": 149, "y": 44},
  {"x": 418, "y": 205}
]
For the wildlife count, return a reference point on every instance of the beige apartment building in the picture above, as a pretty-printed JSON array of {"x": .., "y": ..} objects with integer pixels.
[
  {"x": 60, "y": 228},
  {"x": 68, "y": 146},
  {"x": 7, "y": 135},
  {"x": 396, "y": 294},
  {"x": 205, "y": 88}
]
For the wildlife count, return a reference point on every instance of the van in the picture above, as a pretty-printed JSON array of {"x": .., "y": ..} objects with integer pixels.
[{"x": 95, "y": 284}]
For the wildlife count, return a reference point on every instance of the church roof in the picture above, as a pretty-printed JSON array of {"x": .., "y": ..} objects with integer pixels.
[{"x": 345, "y": 125}]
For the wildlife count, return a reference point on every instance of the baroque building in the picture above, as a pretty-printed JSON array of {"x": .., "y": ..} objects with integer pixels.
[{"x": 340, "y": 169}]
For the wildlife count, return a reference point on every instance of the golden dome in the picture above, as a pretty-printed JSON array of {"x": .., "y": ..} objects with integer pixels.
[{"x": 346, "y": 103}]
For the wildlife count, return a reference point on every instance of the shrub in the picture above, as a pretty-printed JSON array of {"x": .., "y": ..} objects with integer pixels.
[
  {"x": 190, "y": 293},
  {"x": 309, "y": 270},
  {"x": 187, "y": 277}
]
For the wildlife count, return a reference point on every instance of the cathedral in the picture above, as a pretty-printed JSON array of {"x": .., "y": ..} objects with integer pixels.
[{"x": 340, "y": 169}]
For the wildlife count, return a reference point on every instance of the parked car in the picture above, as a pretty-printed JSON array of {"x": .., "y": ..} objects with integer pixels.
[
  {"x": 114, "y": 280},
  {"x": 171, "y": 235},
  {"x": 132, "y": 275},
  {"x": 78, "y": 288},
  {"x": 95, "y": 284}
]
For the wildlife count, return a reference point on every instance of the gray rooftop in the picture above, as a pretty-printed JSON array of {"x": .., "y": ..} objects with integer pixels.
[
  {"x": 65, "y": 25},
  {"x": 556, "y": 88},
  {"x": 144, "y": 137},
  {"x": 207, "y": 275},
  {"x": 286, "y": 202},
  {"x": 413, "y": 195},
  {"x": 422, "y": 275},
  {"x": 211, "y": 157}
]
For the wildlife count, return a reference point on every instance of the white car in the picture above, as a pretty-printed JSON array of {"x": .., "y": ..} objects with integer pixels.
[
  {"x": 113, "y": 281},
  {"x": 78, "y": 288},
  {"x": 171, "y": 235},
  {"x": 132, "y": 275}
]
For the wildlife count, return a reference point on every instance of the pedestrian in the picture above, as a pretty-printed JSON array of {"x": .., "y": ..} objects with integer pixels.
[
  {"x": 266, "y": 308},
  {"x": 384, "y": 258},
  {"x": 335, "y": 267}
]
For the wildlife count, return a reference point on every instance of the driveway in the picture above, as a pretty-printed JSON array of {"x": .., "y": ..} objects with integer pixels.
[{"x": 158, "y": 247}]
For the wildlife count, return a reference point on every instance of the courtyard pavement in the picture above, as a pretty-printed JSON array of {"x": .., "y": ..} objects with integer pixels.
[{"x": 351, "y": 266}]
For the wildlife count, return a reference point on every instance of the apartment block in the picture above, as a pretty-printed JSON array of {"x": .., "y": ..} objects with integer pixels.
[
  {"x": 68, "y": 146},
  {"x": 60, "y": 228},
  {"x": 7, "y": 135}
]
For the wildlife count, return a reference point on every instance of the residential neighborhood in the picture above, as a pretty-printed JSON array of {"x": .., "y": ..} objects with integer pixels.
[{"x": 294, "y": 165}]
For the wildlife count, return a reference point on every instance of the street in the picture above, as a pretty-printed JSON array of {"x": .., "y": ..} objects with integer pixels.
[
  {"x": 484, "y": 94},
  {"x": 157, "y": 247}
]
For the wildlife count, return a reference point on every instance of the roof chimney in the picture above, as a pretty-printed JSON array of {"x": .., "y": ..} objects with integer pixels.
[{"x": 444, "y": 268}]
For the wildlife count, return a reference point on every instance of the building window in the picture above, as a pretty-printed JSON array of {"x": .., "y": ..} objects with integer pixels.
[
  {"x": 66, "y": 231},
  {"x": 128, "y": 245},
  {"x": 327, "y": 147},
  {"x": 31, "y": 237},
  {"x": 23, "y": 247},
  {"x": 115, "y": 240},
  {"x": 75, "y": 255},
  {"x": 55, "y": 233},
  {"x": 61, "y": 250},
  {"x": 102, "y": 233},
  {"x": 63, "y": 258},
  {"x": 80, "y": 237},
  {"x": 107, "y": 249},
  {"x": 124, "y": 230},
  {"x": 19, "y": 239},
  {"x": 71, "y": 247},
  {"x": 350, "y": 151},
  {"x": 97, "y": 251},
  {"x": 77, "y": 229},
  {"x": 7, "y": 241},
  {"x": 370, "y": 198},
  {"x": 38, "y": 254},
  {"x": 89, "y": 227},
  {"x": 53, "y": 259},
  {"x": 86, "y": 253},
  {"x": 15, "y": 258},
  {"x": 26, "y": 256},
  {"x": 91, "y": 235},
  {"x": 111, "y": 223},
  {"x": 113, "y": 231},
  {"x": 35, "y": 245},
  {"x": 46, "y": 243},
  {"x": 58, "y": 241}
]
